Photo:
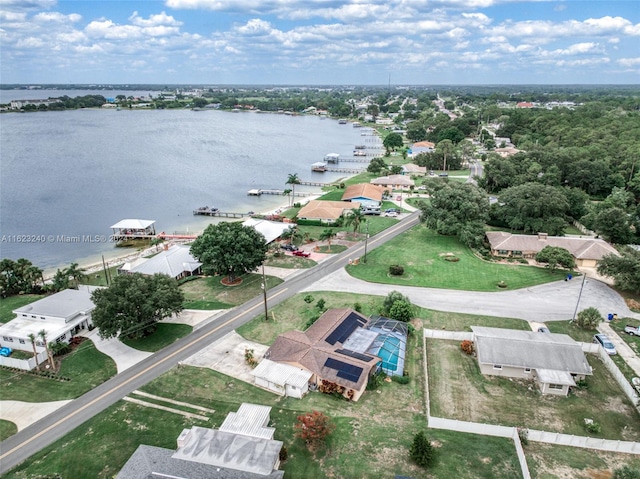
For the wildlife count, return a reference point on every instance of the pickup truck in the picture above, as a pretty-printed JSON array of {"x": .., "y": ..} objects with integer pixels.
[{"x": 632, "y": 330}]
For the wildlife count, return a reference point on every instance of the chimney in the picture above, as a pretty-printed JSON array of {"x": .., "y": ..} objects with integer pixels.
[
  {"x": 543, "y": 236},
  {"x": 182, "y": 438}
]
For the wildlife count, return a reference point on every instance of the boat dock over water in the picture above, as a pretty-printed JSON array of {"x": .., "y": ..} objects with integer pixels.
[
  {"x": 258, "y": 192},
  {"x": 206, "y": 211}
]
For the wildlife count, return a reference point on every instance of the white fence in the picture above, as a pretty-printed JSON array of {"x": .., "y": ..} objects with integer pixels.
[
  {"x": 24, "y": 364},
  {"x": 451, "y": 335}
]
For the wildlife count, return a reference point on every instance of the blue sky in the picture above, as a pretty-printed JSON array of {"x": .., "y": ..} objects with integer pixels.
[{"x": 295, "y": 42}]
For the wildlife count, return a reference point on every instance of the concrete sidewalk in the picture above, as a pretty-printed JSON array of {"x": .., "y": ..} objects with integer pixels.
[
  {"x": 23, "y": 414},
  {"x": 547, "y": 302},
  {"x": 622, "y": 348}
]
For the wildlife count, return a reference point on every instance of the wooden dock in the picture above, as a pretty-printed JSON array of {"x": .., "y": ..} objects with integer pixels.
[
  {"x": 258, "y": 192},
  {"x": 357, "y": 159},
  {"x": 346, "y": 170},
  {"x": 218, "y": 213},
  {"x": 313, "y": 183}
]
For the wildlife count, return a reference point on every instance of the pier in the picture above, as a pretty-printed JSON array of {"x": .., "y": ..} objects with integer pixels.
[
  {"x": 346, "y": 170},
  {"x": 216, "y": 212},
  {"x": 258, "y": 192}
]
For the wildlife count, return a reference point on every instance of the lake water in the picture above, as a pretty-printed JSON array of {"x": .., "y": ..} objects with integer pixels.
[{"x": 75, "y": 173}]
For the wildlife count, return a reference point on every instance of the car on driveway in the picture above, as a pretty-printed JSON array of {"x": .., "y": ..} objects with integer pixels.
[
  {"x": 301, "y": 253},
  {"x": 542, "y": 329},
  {"x": 289, "y": 247},
  {"x": 605, "y": 342},
  {"x": 391, "y": 213}
]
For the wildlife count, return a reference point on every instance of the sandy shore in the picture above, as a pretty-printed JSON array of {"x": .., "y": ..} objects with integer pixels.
[{"x": 94, "y": 267}]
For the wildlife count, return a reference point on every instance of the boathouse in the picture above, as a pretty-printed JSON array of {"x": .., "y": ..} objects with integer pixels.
[{"x": 133, "y": 229}]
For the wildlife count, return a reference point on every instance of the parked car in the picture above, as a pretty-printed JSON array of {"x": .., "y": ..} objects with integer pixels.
[
  {"x": 632, "y": 330},
  {"x": 542, "y": 329},
  {"x": 5, "y": 352},
  {"x": 422, "y": 187},
  {"x": 391, "y": 213},
  {"x": 303, "y": 254},
  {"x": 604, "y": 341},
  {"x": 289, "y": 247}
]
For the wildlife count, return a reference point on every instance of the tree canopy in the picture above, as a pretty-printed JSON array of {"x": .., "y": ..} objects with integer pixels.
[
  {"x": 555, "y": 256},
  {"x": 533, "y": 208},
  {"x": 457, "y": 209},
  {"x": 19, "y": 276},
  {"x": 624, "y": 269},
  {"x": 229, "y": 249},
  {"x": 392, "y": 141},
  {"x": 133, "y": 304}
]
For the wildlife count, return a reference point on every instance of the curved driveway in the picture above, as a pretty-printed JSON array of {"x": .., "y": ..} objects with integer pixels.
[{"x": 548, "y": 302}]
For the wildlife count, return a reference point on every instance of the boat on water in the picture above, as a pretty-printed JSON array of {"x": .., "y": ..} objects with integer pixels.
[
  {"x": 342, "y": 121},
  {"x": 320, "y": 167}
]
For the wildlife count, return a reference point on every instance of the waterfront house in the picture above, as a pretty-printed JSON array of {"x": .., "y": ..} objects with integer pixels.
[
  {"x": 587, "y": 251},
  {"x": 326, "y": 212},
  {"x": 554, "y": 361},
  {"x": 242, "y": 448},
  {"x": 61, "y": 316},
  {"x": 271, "y": 230},
  {"x": 174, "y": 261},
  {"x": 411, "y": 169},
  {"x": 366, "y": 194},
  {"x": 422, "y": 147}
]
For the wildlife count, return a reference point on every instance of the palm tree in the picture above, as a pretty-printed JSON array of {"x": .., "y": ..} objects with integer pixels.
[
  {"x": 287, "y": 192},
  {"x": 32, "y": 338},
  {"x": 293, "y": 180},
  {"x": 327, "y": 235},
  {"x": 446, "y": 147},
  {"x": 76, "y": 273},
  {"x": 354, "y": 217},
  {"x": 43, "y": 336}
]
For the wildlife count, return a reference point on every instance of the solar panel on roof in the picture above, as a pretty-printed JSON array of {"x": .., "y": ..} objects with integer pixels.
[
  {"x": 353, "y": 354},
  {"x": 345, "y": 370},
  {"x": 345, "y": 328}
]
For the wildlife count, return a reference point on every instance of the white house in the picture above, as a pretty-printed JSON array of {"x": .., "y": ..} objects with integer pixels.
[
  {"x": 176, "y": 262},
  {"x": 282, "y": 379},
  {"x": 61, "y": 316}
]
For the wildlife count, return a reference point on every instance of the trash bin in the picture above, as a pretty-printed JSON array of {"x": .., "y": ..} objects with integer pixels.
[{"x": 610, "y": 317}]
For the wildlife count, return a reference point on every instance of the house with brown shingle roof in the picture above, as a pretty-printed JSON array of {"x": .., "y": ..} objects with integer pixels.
[
  {"x": 326, "y": 212},
  {"x": 321, "y": 350},
  {"x": 586, "y": 251},
  {"x": 366, "y": 194}
]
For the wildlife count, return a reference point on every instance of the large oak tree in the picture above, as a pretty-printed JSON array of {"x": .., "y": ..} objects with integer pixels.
[
  {"x": 229, "y": 249},
  {"x": 133, "y": 304}
]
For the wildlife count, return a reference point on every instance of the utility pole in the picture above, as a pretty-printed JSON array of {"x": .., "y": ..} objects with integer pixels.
[
  {"x": 264, "y": 292},
  {"x": 366, "y": 239},
  {"x": 584, "y": 278}
]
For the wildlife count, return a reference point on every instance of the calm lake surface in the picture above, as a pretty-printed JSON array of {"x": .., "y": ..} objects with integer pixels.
[{"x": 75, "y": 173}]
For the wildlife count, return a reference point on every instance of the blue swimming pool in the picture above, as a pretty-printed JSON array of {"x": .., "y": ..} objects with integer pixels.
[{"x": 389, "y": 353}]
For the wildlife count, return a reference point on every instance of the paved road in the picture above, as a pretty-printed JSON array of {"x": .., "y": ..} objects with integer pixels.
[
  {"x": 32, "y": 439},
  {"x": 547, "y": 302}
]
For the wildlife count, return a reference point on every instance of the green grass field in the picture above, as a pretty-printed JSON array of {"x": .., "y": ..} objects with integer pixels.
[
  {"x": 422, "y": 254},
  {"x": 165, "y": 334},
  {"x": 7, "y": 429},
  {"x": 86, "y": 366},
  {"x": 7, "y": 305}
]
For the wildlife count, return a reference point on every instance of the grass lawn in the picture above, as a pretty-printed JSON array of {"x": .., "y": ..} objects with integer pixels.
[
  {"x": 86, "y": 366},
  {"x": 97, "y": 278},
  {"x": 371, "y": 440},
  {"x": 165, "y": 334},
  {"x": 422, "y": 251},
  {"x": 7, "y": 305},
  {"x": 7, "y": 429},
  {"x": 618, "y": 326},
  {"x": 548, "y": 461},
  {"x": 459, "y": 391},
  {"x": 210, "y": 293},
  {"x": 289, "y": 262},
  {"x": 333, "y": 249},
  {"x": 570, "y": 329}
]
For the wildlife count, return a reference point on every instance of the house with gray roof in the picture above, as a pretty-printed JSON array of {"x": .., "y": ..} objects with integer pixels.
[
  {"x": 587, "y": 251},
  {"x": 60, "y": 315},
  {"x": 243, "y": 448},
  {"x": 175, "y": 261},
  {"x": 554, "y": 361}
]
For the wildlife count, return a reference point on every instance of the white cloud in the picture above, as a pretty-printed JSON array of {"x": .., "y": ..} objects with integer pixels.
[
  {"x": 579, "y": 49},
  {"x": 154, "y": 20},
  {"x": 6, "y": 16},
  {"x": 629, "y": 62},
  {"x": 56, "y": 17}
]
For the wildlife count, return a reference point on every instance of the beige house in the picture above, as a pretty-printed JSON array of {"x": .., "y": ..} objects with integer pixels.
[
  {"x": 321, "y": 350},
  {"x": 397, "y": 182},
  {"x": 326, "y": 212},
  {"x": 587, "y": 251},
  {"x": 554, "y": 361},
  {"x": 366, "y": 194}
]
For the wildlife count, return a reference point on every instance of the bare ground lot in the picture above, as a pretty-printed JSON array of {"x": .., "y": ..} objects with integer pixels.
[{"x": 458, "y": 390}]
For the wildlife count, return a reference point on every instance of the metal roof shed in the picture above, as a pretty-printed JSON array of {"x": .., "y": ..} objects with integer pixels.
[{"x": 283, "y": 379}]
